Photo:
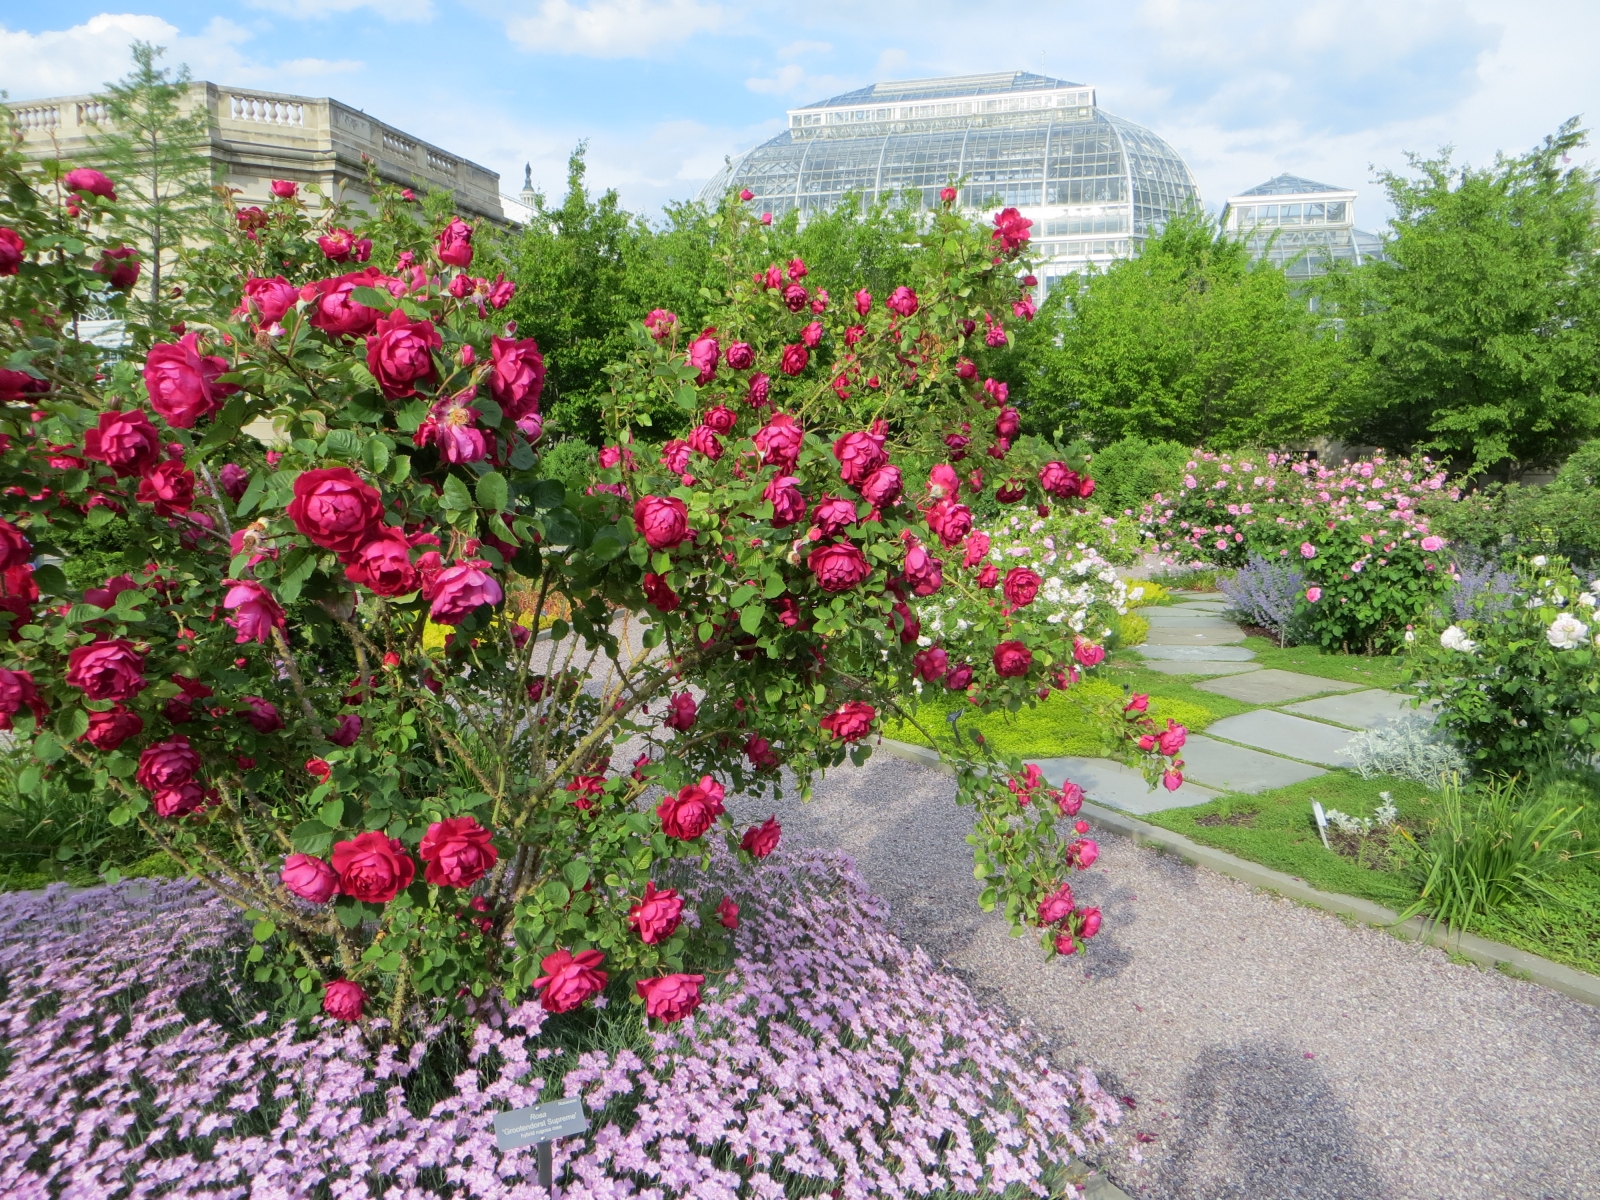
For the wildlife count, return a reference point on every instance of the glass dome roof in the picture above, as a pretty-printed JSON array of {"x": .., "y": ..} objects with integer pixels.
[{"x": 1094, "y": 184}]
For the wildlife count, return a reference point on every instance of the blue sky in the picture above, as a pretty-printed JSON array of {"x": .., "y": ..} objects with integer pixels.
[{"x": 663, "y": 89}]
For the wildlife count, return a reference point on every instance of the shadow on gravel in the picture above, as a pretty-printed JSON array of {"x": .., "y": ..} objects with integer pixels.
[{"x": 1262, "y": 1121}]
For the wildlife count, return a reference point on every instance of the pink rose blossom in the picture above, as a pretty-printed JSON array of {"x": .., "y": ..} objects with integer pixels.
[{"x": 309, "y": 878}]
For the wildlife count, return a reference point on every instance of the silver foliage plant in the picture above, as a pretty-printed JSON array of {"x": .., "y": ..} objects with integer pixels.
[{"x": 1409, "y": 746}]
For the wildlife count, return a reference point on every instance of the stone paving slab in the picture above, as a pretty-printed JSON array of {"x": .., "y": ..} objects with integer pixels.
[
  {"x": 1201, "y": 668},
  {"x": 1195, "y": 653},
  {"x": 1226, "y": 636},
  {"x": 1359, "y": 710},
  {"x": 1280, "y": 733},
  {"x": 1196, "y": 606},
  {"x": 1182, "y": 615},
  {"x": 1275, "y": 687},
  {"x": 1108, "y": 782},
  {"x": 1238, "y": 769}
]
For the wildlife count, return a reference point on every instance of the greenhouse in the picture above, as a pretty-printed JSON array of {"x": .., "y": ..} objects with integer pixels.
[
  {"x": 1301, "y": 226},
  {"x": 1093, "y": 184}
]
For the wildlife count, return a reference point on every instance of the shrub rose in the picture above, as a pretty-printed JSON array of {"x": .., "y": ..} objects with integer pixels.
[
  {"x": 664, "y": 521},
  {"x": 659, "y": 593},
  {"x": 181, "y": 382},
  {"x": 681, "y": 711},
  {"x": 859, "y": 455},
  {"x": 262, "y": 714},
  {"x": 107, "y": 670},
  {"x": 779, "y": 442},
  {"x": 883, "y": 487},
  {"x": 833, "y": 515},
  {"x": 179, "y": 800},
  {"x": 1012, "y": 659},
  {"x": 455, "y": 243},
  {"x": 458, "y": 852},
  {"x": 1020, "y": 587},
  {"x": 517, "y": 377},
  {"x": 17, "y": 690},
  {"x": 256, "y": 613},
  {"x": 670, "y": 998},
  {"x": 758, "y": 392},
  {"x": 109, "y": 729},
  {"x": 458, "y": 590},
  {"x": 168, "y": 487},
  {"x": 761, "y": 840},
  {"x": 794, "y": 359},
  {"x": 570, "y": 979},
  {"x": 728, "y": 913},
  {"x": 741, "y": 356},
  {"x": 86, "y": 181},
  {"x": 12, "y": 251},
  {"x": 167, "y": 764},
  {"x": 383, "y": 565},
  {"x": 335, "y": 509},
  {"x": 851, "y": 721},
  {"x": 125, "y": 441},
  {"x": 400, "y": 354},
  {"x": 923, "y": 572},
  {"x": 373, "y": 867},
  {"x": 655, "y": 918},
  {"x": 759, "y": 751},
  {"x": 1057, "y": 906},
  {"x": 903, "y": 301},
  {"x": 15, "y": 548},
  {"x": 334, "y": 311},
  {"x": 692, "y": 810},
  {"x": 838, "y": 566},
  {"x": 1087, "y": 653},
  {"x": 702, "y": 355},
  {"x": 343, "y": 1000},
  {"x": 309, "y": 878},
  {"x": 788, "y": 503}
]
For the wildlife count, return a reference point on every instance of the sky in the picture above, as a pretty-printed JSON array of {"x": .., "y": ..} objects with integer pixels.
[{"x": 662, "y": 90}]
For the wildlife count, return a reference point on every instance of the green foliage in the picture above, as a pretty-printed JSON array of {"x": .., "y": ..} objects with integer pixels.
[
  {"x": 1478, "y": 339},
  {"x": 152, "y": 151},
  {"x": 1131, "y": 470},
  {"x": 1508, "y": 694},
  {"x": 1504, "y": 851},
  {"x": 1559, "y": 518},
  {"x": 571, "y": 462},
  {"x": 1190, "y": 342}
]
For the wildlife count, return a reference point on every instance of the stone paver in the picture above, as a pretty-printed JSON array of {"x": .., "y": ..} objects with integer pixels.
[
  {"x": 1237, "y": 769},
  {"x": 1197, "y": 606},
  {"x": 1294, "y": 737},
  {"x": 1274, "y": 686},
  {"x": 1359, "y": 710},
  {"x": 1117, "y": 785},
  {"x": 1183, "y": 615},
  {"x": 1195, "y": 653},
  {"x": 1183, "y": 636},
  {"x": 1201, "y": 668}
]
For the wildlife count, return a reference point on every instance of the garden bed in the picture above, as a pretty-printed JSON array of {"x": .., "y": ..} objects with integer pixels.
[{"x": 828, "y": 1059}]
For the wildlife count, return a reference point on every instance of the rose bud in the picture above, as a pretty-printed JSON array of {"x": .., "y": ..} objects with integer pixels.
[{"x": 309, "y": 878}]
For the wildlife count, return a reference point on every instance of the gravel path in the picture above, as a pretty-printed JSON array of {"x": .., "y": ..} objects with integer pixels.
[{"x": 1272, "y": 1051}]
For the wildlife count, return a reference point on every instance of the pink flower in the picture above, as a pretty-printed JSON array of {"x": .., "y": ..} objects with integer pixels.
[
  {"x": 383, "y": 565},
  {"x": 400, "y": 354},
  {"x": 309, "y": 878},
  {"x": 335, "y": 509},
  {"x": 664, "y": 521},
  {"x": 1172, "y": 738},
  {"x": 833, "y": 515},
  {"x": 1137, "y": 704},
  {"x": 1010, "y": 228},
  {"x": 1082, "y": 853},
  {"x": 766, "y": 219},
  {"x": 125, "y": 441},
  {"x": 692, "y": 811},
  {"x": 883, "y": 487},
  {"x": 347, "y": 732},
  {"x": 681, "y": 713},
  {"x": 343, "y": 1000},
  {"x": 458, "y": 852},
  {"x": 903, "y": 301},
  {"x": 268, "y": 300},
  {"x": 906, "y": 622},
  {"x": 570, "y": 979},
  {"x": 88, "y": 181},
  {"x": 1088, "y": 922},
  {"x": 811, "y": 335},
  {"x": 107, "y": 730},
  {"x": 838, "y": 566},
  {"x": 947, "y": 195},
  {"x": 703, "y": 441},
  {"x": 863, "y": 302},
  {"x": 15, "y": 549},
  {"x": 458, "y": 590},
  {"x": 284, "y": 189},
  {"x": 759, "y": 751},
  {"x": 337, "y": 245},
  {"x": 794, "y": 359},
  {"x": 779, "y": 442},
  {"x": 1057, "y": 906},
  {"x": 1171, "y": 780},
  {"x": 746, "y": 194},
  {"x": 1087, "y": 653},
  {"x": 1069, "y": 800},
  {"x": 1432, "y": 543},
  {"x": 788, "y": 502},
  {"x": 169, "y": 486},
  {"x": 167, "y": 764},
  {"x": 262, "y": 714},
  {"x": 960, "y": 678},
  {"x": 659, "y": 593},
  {"x": 1313, "y": 594},
  {"x": 661, "y": 323},
  {"x": 1057, "y": 479},
  {"x": 455, "y": 244},
  {"x": 12, "y": 251},
  {"x": 922, "y": 571},
  {"x": 795, "y": 297},
  {"x": 931, "y": 664},
  {"x": 321, "y": 770},
  {"x": 656, "y": 916},
  {"x": 107, "y": 670},
  {"x": 517, "y": 377},
  {"x": 334, "y": 312},
  {"x": 1020, "y": 587},
  {"x": 740, "y": 356},
  {"x": 501, "y": 292},
  {"x": 977, "y": 548},
  {"x": 761, "y": 840},
  {"x": 950, "y": 520},
  {"x": 373, "y": 867},
  {"x": 859, "y": 455},
  {"x": 851, "y": 721},
  {"x": 1012, "y": 659},
  {"x": 675, "y": 456},
  {"x": 1307, "y": 550},
  {"x": 671, "y": 998},
  {"x": 256, "y": 612},
  {"x": 703, "y": 356},
  {"x": 181, "y": 382},
  {"x": 760, "y": 389},
  {"x": 728, "y": 913}
]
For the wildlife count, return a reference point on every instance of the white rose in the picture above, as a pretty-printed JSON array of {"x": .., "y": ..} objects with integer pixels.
[
  {"x": 1566, "y": 632},
  {"x": 1539, "y": 560},
  {"x": 1455, "y": 638}
]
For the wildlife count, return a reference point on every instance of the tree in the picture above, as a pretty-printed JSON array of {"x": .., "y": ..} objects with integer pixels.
[
  {"x": 152, "y": 149},
  {"x": 1477, "y": 339},
  {"x": 1191, "y": 342}
]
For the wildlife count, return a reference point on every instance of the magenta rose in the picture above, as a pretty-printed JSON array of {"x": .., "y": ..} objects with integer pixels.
[
  {"x": 1057, "y": 479},
  {"x": 284, "y": 189},
  {"x": 838, "y": 566},
  {"x": 12, "y": 251},
  {"x": 347, "y": 732},
  {"x": 681, "y": 712},
  {"x": 88, "y": 181},
  {"x": 255, "y": 613},
  {"x": 309, "y": 878},
  {"x": 1082, "y": 853},
  {"x": 923, "y": 572},
  {"x": 959, "y": 679},
  {"x": 655, "y": 917},
  {"x": 335, "y": 509},
  {"x": 17, "y": 690},
  {"x": 1087, "y": 653},
  {"x": 458, "y": 852},
  {"x": 692, "y": 810},
  {"x": 455, "y": 244},
  {"x": 233, "y": 479},
  {"x": 859, "y": 455},
  {"x": 373, "y": 867},
  {"x": 760, "y": 389},
  {"x": 779, "y": 441},
  {"x": 1172, "y": 738},
  {"x": 1069, "y": 800},
  {"x": 1012, "y": 659},
  {"x": 788, "y": 503},
  {"x": 795, "y": 297},
  {"x": 1057, "y": 906},
  {"x": 741, "y": 356},
  {"x": 179, "y": 799},
  {"x": 811, "y": 336},
  {"x": 661, "y": 323},
  {"x": 703, "y": 441},
  {"x": 720, "y": 419},
  {"x": 1007, "y": 423},
  {"x": 169, "y": 486},
  {"x": 851, "y": 721},
  {"x": 263, "y": 715},
  {"x": 570, "y": 979},
  {"x": 1088, "y": 922},
  {"x": 761, "y": 840},
  {"x": 883, "y": 487},
  {"x": 1010, "y": 228},
  {"x": 863, "y": 302},
  {"x": 120, "y": 266},
  {"x": 337, "y": 245},
  {"x": 989, "y": 576},
  {"x": 664, "y": 521},
  {"x": 125, "y": 441},
  {"x": 977, "y": 548},
  {"x": 904, "y": 620},
  {"x": 179, "y": 382},
  {"x": 1020, "y": 587},
  {"x": 15, "y": 548},
  {"x": 107, "y": 670},
  {"x": 334, "y": 311},
  {"x": 760, "y": 753},
  {"x": 931, "y": 664},
  {"x": 794, "y": 359},
  {"x": 400, "y": 353},
  {"x": 950, "y": 520},
  {"x": 903, "y": 301},
  {"x": 108, "y": 730},
  {"x": 167, "y": 764},
  {"x": 383, "y": 565},
  {"x": 834, "y": 515},
  {"x": 703, "y": 357},
  {"x": 670, "y": 998},
  {"x": 457, "y": 591},
  {"x": 517, "y": 376},
  {"x": 343, "y": 1000},
  {"x": 728, "y": 913},
  {"x": 659, "y": 592}
]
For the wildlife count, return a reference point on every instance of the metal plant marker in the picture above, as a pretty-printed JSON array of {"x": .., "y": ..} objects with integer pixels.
[{"x": 541, "y": 1124}]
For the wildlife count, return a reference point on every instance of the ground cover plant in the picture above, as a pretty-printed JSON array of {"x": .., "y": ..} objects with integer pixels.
[{"x": 826, "y": 1058}]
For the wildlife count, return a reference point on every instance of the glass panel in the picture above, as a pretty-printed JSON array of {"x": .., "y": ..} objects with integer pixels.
[{"x": 1336, "y": 211}]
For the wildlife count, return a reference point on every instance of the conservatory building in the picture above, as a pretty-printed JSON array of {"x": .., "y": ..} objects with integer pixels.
[
  {"x": 1094, "y": 185},
  {"x": 1301, "y": 226}
]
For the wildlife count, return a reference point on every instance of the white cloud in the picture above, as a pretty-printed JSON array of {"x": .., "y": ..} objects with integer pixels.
[
  {"x": 613, "y": 28},
  {"x": 796, "y": 49},
  {"x": 389, "y": 10},
  {"x": 785, "y": 81}
]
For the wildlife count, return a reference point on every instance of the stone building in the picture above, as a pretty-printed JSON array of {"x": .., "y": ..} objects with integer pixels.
[{"x": 259, "y": 136}]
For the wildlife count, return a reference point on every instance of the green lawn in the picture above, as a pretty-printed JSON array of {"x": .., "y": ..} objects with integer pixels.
[{"x": 1379, "y": 670}]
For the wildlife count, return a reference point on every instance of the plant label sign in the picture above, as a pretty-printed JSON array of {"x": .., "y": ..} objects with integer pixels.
[
  {"x": 1322, "y": 823},
  {"x": 541, "y": 1123}
]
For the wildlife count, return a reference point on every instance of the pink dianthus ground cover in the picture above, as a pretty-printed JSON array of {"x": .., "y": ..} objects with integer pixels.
[{"x": 830, "y": 1060}]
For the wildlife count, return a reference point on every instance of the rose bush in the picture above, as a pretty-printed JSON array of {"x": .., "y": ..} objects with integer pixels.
[{"x": 342, "y": 470}]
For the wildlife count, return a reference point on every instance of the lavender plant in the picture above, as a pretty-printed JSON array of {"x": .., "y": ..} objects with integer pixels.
[
  {"x": 1480, "y": 587},
  {"x": 829, "y": 1058},
  {"x": 1266, "y": 593}
]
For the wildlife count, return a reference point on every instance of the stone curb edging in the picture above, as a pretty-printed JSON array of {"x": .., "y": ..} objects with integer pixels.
[{"x": 1569, "y": 981}]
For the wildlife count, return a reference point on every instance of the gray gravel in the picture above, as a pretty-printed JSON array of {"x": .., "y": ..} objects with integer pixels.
[{"x": 1272, "y": 1050}]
